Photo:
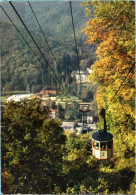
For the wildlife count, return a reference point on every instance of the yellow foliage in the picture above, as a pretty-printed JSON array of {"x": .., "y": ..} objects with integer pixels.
[
  {"x": 124, "y": 163},
  {"x": 7, "y": 180}
]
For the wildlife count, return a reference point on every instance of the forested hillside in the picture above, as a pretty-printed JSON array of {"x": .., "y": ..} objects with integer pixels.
[
  {"x": 55, "y": 19},
  {"x": 20, "y": 68}
]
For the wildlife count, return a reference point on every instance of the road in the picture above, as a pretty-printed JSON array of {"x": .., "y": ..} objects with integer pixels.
[{"x": 70, "y": 125}]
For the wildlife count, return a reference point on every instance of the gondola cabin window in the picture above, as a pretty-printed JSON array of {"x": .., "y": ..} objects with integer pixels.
[
  {"x": 96, "y": 145},
  {"x": 103, "y": 145}
]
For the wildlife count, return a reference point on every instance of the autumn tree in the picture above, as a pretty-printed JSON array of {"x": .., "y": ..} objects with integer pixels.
[
  {"x": 32, "y": 149},
  {"x": 112, "y": 30}
]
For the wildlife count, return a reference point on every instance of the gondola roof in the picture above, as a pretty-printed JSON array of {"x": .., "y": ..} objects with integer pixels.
[{"x": 100, "y": 135}]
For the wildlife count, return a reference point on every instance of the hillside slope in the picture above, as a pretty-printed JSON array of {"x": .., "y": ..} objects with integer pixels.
[
  {"x": 54, "y": 17},
  {"x": 20, "y": 68}
]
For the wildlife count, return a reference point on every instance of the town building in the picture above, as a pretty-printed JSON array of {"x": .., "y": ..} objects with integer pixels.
[
  {"x": 71, "y": 126},
  {"x": 47, "y": 93},
  {"x": 53, "y": 113},
  {"x": 19, "y": 97},
  {"x": 84, "y": 75}
]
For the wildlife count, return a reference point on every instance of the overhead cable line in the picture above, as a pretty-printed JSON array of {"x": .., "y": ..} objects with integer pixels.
[
  {"x": 120, "y": 87},
  {"x": 26, "y": 42},
  {"x": 33, "y": 39},
  {"x": 119, "y": 34},
  {"x": 75, "y": 40},
  {"x": 121, "y": 84},
  {"x": 45, "y": 39},
  {"x": 131, "y": 66}
]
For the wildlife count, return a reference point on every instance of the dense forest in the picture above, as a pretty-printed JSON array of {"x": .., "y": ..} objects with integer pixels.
[
  {"x": 38, "y": 157},
  {"x": 21, "y": 71},
  {"x": 43, "y": 159}
]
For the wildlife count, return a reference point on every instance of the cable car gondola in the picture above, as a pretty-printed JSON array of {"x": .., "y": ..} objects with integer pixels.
[{"x": 102, "y": 142}]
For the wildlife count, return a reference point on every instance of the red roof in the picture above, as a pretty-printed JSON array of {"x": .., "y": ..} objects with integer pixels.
[
  {"x": 53, "y": 92},
  {"x": 35, "y": 97},
  {"x": 41, "y": 92}
]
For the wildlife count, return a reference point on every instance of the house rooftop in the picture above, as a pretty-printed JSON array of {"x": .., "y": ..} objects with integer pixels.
[
  {"x": 17, "y": 98},
  {"x": 46, "y": 92}
]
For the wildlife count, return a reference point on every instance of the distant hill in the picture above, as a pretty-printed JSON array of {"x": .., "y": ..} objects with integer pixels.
[
  {"x": 20, "y": 69},
  {"x": 54, "y": 17}
]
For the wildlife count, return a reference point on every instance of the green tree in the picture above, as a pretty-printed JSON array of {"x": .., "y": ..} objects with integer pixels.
[
  {"x": 32, "y": 149},
  {"x": 84, "y": 94},
  {"x": 61, "y": 111},
  {"x": 79, "y": 166},
  {"x": 53, "y": 105},
  {"x": 28, "y": 87}
]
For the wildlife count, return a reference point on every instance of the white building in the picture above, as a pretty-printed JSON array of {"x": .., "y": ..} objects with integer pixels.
[
  {"x": 53, "y": 114},
  {"x": 17, "y": 98},
  {"x": 84, "y": 75}
]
